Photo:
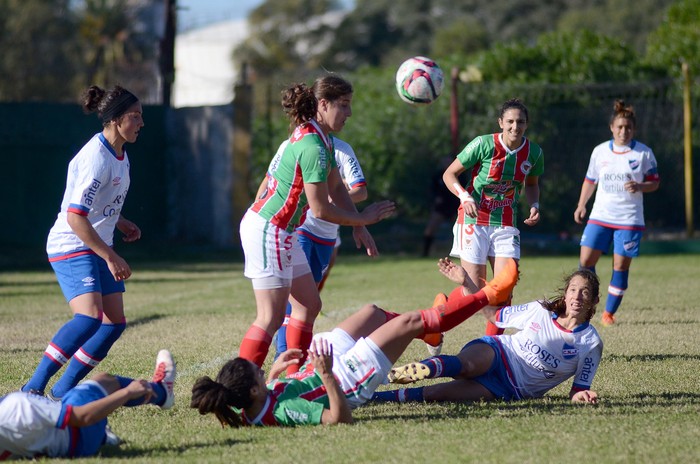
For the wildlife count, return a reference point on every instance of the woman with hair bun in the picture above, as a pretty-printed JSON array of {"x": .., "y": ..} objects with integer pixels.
[
  {"x": 306, "y": 177},
  {"x": 620, "y": 172},
  {"x": 79, "y": 247}
]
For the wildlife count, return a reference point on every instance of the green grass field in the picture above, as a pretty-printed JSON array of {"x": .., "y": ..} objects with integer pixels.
[{"x": 648, "y": 379}]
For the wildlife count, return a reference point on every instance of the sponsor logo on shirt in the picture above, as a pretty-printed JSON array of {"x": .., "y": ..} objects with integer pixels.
[
  {"x": 539, "y": 358},
  {"x": 88, "y": 281},
  {"x": 588, "y": 366},
  {"x": 114, "y": 208},
  {"x": 535, "y": 327},
  {"x": 92, "y": 191},
  {"x": 296, "y": 416},
  {"x": 116, "y": 181}
]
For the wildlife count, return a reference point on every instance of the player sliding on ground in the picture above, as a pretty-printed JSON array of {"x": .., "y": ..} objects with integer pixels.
[
  {"x": 33, "y": 426},
  {"x": 345, "y": 365},
  {"x": 555, "y": 342}
]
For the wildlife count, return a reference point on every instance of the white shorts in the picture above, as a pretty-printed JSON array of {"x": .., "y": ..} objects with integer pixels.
[
  {"x": 474, "y": 244},
  {"x": 270, "y": 251},
  {"x": 360, "y": 366}
]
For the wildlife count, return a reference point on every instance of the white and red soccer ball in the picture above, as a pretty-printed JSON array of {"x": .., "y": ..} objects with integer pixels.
[{"x": 419, "y": 80}]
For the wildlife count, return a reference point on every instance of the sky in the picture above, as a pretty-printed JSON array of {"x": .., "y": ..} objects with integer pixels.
[{"x": 193, "y": 13}]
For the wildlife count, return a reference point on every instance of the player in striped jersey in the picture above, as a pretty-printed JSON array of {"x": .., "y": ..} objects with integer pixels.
[
  {"x": 91, "y": 274},
  {"x": 345, "y": 365},
  {"x": 498, "y": 167},
  {"x": 620, "y": 172},
  {"x": 305, "y": 178}
]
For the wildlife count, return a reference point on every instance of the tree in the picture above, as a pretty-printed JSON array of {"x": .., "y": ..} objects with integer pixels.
[
  {"x": 677, "y": 39},
  {"x": 39, "y": 59},
  {"x": 288, "y": 35}
]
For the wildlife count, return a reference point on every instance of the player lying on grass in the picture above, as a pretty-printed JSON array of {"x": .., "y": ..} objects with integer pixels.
[
  {"x": 555, "y": 342},
  {"x": 32, "y": 425},
  {"x": 345, "y": 365}
]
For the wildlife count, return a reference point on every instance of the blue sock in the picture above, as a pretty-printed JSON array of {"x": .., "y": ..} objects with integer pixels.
[
  {"x": 616, "y": 290},
  {"x": 63, "y": 345},
  {"x": 590, "y": 268},
  {"x": 281, "y": 342},
  {"x": 158, "y": 397},
  {"x": 402, "y": 395},
  {"x": 443, "y": 366},
  {"x": 87, "y": 357}
]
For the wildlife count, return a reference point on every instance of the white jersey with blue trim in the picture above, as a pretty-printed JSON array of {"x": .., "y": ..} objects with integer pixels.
[
  {"x": 32, "y": 425},
  {"x": 610, "y": 167},
  {"x": 350, "y": 172},
  {"x": 544, "y": 354},
  {"x": 96, "y": 187}
]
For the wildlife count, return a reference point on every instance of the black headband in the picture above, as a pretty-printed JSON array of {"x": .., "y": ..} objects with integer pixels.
[{"x": 119, "y": 106}]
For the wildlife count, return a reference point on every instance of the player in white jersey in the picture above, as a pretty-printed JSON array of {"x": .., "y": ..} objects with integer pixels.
[
  {"x": 555, "y": 342},
  {"x": 318, "y": 238},
  {"x": 620, "y": 171},
  {"x": 91, "y": 274},
  {"x": 32, "y": 426}
]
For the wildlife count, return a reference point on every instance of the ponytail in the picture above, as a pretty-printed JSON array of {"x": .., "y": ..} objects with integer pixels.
[{"x": 231, "y": 389}]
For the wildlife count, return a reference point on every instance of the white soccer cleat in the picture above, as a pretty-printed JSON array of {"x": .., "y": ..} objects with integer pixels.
[{"x": 165, "y": 375}]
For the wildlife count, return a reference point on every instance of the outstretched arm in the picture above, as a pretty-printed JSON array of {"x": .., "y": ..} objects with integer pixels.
[{"x": 95, "y": 411}]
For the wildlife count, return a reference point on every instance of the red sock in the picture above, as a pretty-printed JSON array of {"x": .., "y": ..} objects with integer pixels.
[
  {"x": 458, "y": 309},
  {"x": 255, "y": 345},
  {"x": 299, "y": 335},
  {"x": 491, "y": 328}
]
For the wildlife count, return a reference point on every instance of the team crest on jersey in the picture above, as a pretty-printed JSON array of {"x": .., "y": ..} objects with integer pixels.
[
  {"x": 634, "y": 164},
  {"x": 569, "y": 352},
  {"x": 526, "y": 167}
]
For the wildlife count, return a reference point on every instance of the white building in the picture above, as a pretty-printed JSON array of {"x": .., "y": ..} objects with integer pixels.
[{"x": 204, "y": 71}]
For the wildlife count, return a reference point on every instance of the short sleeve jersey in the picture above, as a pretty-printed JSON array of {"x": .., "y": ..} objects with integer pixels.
[
  {"x": 307, "y": 158},
  {"x": 96, "y": 187},
  {"x": 609, "y": 168},
  {"x": 496, "y": 177},
  {"x": 352, "y": 175},
  {"x": 32, "y": 425},
  {"x": 544, "y": 354},
  {"x": 298, "y": 400}
]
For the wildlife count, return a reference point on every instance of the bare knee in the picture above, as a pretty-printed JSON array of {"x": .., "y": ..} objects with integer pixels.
[{"x": 107, "y": 381}]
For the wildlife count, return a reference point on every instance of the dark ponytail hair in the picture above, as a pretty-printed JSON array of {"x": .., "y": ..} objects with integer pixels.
[
  {"x": 620, "y": 110},
  {"x": 300, "y": 101},
  {"x": 230, "y": 389},
  {"x": 108, "y": 104},
  {"x": 300, "y": 104}
]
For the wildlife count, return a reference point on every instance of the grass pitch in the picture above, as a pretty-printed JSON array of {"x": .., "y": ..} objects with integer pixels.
[{"x": 648, "y": 379}]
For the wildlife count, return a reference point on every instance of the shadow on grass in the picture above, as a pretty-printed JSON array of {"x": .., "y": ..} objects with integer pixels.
[
  {"x": 131, "y": 323},
  {"x": 555, "y": 406},
  {"x": 664, "y": 322},
  {"x": 126, "y": 451}
]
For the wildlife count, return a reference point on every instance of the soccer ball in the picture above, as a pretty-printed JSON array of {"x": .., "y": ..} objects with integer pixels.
[{"x": 419, "y": 81}]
